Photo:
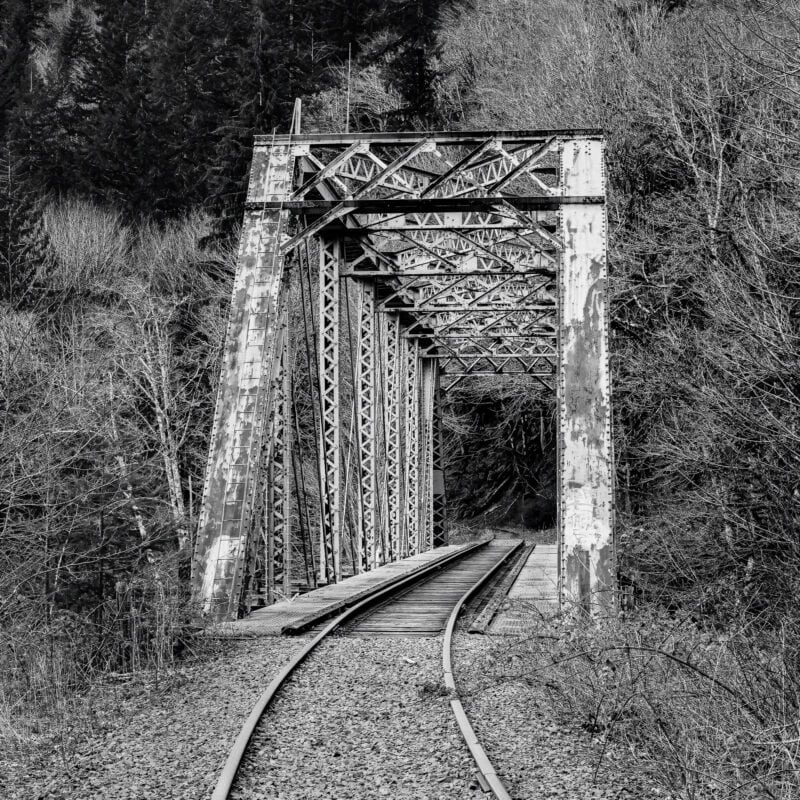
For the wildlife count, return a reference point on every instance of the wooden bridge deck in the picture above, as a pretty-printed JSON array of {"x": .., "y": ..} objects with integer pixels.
[
  {"x": 327, "y": 600},
  {"x": 534, "y": 593}
]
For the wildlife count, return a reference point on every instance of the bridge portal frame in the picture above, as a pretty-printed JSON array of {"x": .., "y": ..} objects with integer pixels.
[{"x": 476, "y": 254}]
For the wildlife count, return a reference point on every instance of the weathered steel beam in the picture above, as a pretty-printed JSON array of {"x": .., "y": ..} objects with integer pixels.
[
  {"x": 429, "y": 308},
  {"x": 438, "y": 273},
  {"x": 439, "y": 503},
  {"x": 393, "y": 368},
  {"x": 329, "y": 466},
  {"x": 588, "y": 577},
  {"x": 366, "y": 404},
  {"x": 465, "y": 138},
  {"x": 232, "y": 495},
  {"x": 411, "y": 449},
  {"x": 428, "y": 371}
]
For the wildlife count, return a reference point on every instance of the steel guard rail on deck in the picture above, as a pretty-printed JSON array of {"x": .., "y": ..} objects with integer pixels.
[
  {"x": 485, "y": 767},
  {"x": 225, "y": 782}
]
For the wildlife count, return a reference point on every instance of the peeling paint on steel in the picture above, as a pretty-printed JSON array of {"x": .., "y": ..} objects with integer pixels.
[
  {"x": 586, "y": 507},
  {"x": 235, "y": 451}
]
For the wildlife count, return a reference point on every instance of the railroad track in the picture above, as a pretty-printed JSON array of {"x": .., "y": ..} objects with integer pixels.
[{"x": 427, "y": 603}]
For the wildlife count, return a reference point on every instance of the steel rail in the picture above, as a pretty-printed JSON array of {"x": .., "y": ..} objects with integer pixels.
[
  {"x": 486, "y": 770},
  {"x": 234, "y": 760}
]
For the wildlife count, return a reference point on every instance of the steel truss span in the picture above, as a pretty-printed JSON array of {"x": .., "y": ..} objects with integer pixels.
[{"x": 429, "y": 260}]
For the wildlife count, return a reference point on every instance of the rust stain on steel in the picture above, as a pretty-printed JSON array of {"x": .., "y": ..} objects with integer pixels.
[
  {"x": 586, "y": 519},
  {"x": 243, "y": 395}
]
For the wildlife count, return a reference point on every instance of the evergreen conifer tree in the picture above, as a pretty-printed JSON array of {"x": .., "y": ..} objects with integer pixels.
[{"x": 121, "y": 162}]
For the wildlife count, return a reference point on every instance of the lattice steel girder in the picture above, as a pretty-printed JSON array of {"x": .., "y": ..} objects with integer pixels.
[
  {"x": 381, "y": 276},
  {"x": 480, "y": 323},
  {"x": 411, "y": 449},
  {"x": 471, "y": 292},
  {"x": 488, "y": 224},
  {"x": 439, "y": 500},
  {"x": 382, "y": 535},
  {"x": 429, "y": 165},
  {"x": 586, "y": 461},
  {"x": 330, "y": 468},
  {"x": 277, "y": 511},
  {"x": 393, "y": 369},
  {"x": 325, "y": 213},
  {"x": 514, "y": 349},
  {"x": 366, "y": 402},
  {"x": 428, "y": 372},
  {"x": 232, "y": 494}
]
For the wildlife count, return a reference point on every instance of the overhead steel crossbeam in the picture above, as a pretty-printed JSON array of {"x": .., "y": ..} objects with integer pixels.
[{"x": 475, "y": 254}]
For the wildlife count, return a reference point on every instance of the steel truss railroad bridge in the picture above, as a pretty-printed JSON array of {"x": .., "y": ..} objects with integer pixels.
[{"x": 471, "y": 254}]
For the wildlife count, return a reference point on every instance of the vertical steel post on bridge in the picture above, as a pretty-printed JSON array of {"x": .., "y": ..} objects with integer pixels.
[
  {"x": 393, "y": 387},
  {"x": 411, "y": 450},
  {"x": 439, "y": 501},
  {"x": 366, "y": 401},
  {"x": 586, "y": 466},
  {"x": 426, "y": 449},
  {"x": 278, "y": 486},
  {"x": 233, "y": 494},
  {"x": 329, "y": 457}
]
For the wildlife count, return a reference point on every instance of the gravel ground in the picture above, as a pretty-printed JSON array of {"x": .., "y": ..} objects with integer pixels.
[
  {"x": 145, "y": 742},
  {"x": 364, "y": 718},
  {"x": 535, "y": 754}
]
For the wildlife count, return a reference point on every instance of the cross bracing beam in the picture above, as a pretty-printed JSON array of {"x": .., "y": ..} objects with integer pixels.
[
  {"x": 480, "y": 323},
  {"x": 476, "y": 291},
  {"x": 380, "y": 275},
  {"x": 475, "y": 254},
  {"x": 411, "y": 452},
  {"x": 442, "y": 205},
  {"x": 477, "y": 346}
]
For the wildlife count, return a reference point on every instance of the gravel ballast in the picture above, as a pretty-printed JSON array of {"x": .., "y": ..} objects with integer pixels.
[
  {"x": 535, "y": 754},
  {"x": 144, "y": 742},
  {"x": 364, "y": 718}
]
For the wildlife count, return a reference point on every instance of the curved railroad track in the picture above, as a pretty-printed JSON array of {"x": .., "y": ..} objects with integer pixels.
[{"x": 427, "y": 603}]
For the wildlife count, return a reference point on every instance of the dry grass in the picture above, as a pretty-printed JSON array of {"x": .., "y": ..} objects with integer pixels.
[
  {"x": 708, "y": 714},
  {"x": 49, "y": 663}
]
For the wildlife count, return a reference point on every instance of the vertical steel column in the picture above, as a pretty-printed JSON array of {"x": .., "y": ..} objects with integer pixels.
[
  {"x": 381, "y": 439},
  {"x": 587, "y": 570},
  {"x": 393, "y": 389},
  {"x": 286, "y": 465},
  {"x": 233, "y": 495},
  {"x": 365, "y": 400},
  {"x": 427, "y": 373},
  {"x": 279, "y": 486},
  {"x": 437, "y": 466},
  {"x": 329, "y": 466},
  {"x": 411, "y": 450}
]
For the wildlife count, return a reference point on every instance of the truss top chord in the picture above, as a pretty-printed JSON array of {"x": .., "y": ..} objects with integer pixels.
[{"x": 440, "y": 137}]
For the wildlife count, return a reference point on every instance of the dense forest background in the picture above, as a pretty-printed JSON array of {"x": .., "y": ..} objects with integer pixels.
[{"x": 125, "y": 134}]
